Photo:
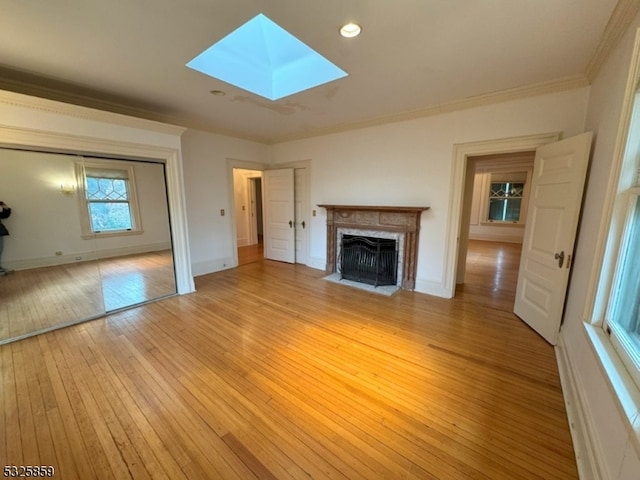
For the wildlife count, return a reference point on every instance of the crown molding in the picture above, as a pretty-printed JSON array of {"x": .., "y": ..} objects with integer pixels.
[
  {"x": 40, "y": 97},
  {"x": 73, "y": 98},
  {"x": 623, "y": 14},
  {"x": 110, "y": 112},
  {"x": 72, "y": 110},
  {"x": 553, "y": 86}
]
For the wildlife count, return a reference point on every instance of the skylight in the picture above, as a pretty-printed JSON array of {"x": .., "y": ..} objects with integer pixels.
[{"x": 263, "y": 58}]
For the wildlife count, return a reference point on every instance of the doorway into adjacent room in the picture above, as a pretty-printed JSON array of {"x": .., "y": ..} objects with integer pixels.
[
  {"x": 247, "y": 188},
  {"x": 258, "y": 221},
  {"x": 495, "y": 210},
  {"x": 559, "y": 173}
]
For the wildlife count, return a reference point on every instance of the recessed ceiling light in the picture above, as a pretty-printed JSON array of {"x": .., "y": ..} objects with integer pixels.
[
  {"x": 217, "y": 93},
  {"x": 350, "y": 30}
]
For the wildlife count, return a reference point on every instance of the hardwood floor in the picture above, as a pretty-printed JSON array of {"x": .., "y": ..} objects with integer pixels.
[
  {"x": 250, "y": 254},
  {"x": 41, "y": 298},
  {"x": 268, "y": 371},
  {"x": 492, "y": 274}
]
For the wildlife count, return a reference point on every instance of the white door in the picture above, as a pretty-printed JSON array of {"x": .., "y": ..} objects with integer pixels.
[
  {"x": 554, "y": 207},
  {"x": 301, "y": 212},
  {"x": 279, "y": 235}
]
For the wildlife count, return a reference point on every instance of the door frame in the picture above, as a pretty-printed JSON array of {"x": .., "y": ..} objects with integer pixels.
[
  {"x": 456, "y": 234},
  {"x": 253, "y": 204},
  {"x": 250, "y": 165},
  {"x": 244, "y": 165}
]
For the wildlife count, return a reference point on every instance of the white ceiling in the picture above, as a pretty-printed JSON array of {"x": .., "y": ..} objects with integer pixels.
[{"x": 130, "y": 55}]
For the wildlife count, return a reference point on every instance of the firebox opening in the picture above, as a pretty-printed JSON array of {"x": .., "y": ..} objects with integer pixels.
[{"x": 369, "y": 260}]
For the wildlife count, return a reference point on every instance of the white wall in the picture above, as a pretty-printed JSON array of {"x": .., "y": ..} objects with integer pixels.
[
  {"x": 612, "y": 439},
  {"x": 209, "y": 188},
  {"x": 44, "y": 221},
  {"x": 409, "y": 163}
]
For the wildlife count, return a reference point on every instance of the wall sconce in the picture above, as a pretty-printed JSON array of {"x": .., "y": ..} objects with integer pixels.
[{"x": 67, "y": 189}]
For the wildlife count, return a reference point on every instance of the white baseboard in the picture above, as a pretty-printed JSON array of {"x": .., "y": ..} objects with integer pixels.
[
  {"x": 586, "y": 445},
  {"x": 29, "y": 263},
  {"x": 212, "y": 266},
  {"x": 431, "y": 288},
  {"x": 317, "y": 263}
]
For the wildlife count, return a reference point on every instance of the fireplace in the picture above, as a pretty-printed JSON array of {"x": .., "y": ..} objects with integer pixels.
[
  {"x": 402, "y": 224},
  {"x": 370, "y": 260}
]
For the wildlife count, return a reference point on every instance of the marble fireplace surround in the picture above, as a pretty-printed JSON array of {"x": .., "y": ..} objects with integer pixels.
[{"x": 389, "y": 221}]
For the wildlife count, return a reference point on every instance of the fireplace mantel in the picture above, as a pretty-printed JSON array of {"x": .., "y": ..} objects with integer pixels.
[{"x": 401, "y": 219}]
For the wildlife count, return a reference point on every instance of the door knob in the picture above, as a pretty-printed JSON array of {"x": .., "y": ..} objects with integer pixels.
[
  {"x": 560, "y": 258},
  {"x": 290, "y": 224},
  {"x": 303, "y": 224}
]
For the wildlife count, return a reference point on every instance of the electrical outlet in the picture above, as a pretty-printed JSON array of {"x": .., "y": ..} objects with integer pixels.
[
  {"x": 58, "y": 254},
  {"x": 313, "y": 212},
  {"x": 222, "y": 212}
]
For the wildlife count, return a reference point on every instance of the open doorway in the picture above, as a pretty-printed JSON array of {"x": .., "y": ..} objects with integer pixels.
[
  {"x": 247, "y": 188},
  {"x": 549, "y": 237},
  {"x": 494, "y": 212},
  {"x": 461, "y": 183}
]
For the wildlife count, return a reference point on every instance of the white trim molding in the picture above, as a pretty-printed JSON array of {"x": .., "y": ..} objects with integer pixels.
[
  {"x": 137, "y": 117},
  {"x": 67, "y": 109},
  {"x": 621, "y": 17},
  {"x": 84, "y": 256},
  {"x": 461, "y": 152},
  {"x": 233, "y": 163},
  {"x": 55, "y": 127},
  {"x": 525, "y": 91},
  {"x": 588, "y": 451}
]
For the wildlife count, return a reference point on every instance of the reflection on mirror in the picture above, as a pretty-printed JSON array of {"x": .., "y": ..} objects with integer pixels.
[
  {"x": 124, "y": 208},
  {"x": 86, "y": 236}
]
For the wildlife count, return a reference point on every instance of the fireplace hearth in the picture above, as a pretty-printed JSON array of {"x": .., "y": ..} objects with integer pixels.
[{"x": 402, "y": 224}]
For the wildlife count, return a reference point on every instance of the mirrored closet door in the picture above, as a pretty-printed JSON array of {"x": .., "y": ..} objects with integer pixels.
[{"x": 87, "y": 236}]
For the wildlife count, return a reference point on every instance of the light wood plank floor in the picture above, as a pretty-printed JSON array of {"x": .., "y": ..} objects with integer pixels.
[
  {"x": 269, "y": 371},
  {"x": 40, "y": 298},
  {"x": 250, "y": 254}
]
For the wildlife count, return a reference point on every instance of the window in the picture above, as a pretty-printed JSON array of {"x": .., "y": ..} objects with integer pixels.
[
  {"x": 504, "y": 196},
  {"x": 505, "y": 200},
  {"x": 109, "y": 199},
  {"x": 108, "y": 204},
  {"x": 620, "y": 277},
  {"x": 622, "y": 320}
]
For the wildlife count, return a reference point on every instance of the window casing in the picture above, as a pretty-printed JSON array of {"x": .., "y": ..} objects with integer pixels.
[
  {"x": 619, "y": 292},
  {"x": 505, "y": 197},
  {"x": 109, "y": 204},
  {"x": 505, "y": 201},
  {"x": 622, "y": 317}
]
